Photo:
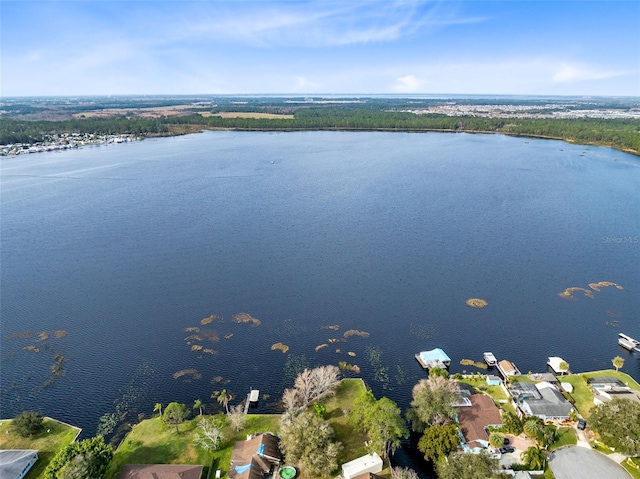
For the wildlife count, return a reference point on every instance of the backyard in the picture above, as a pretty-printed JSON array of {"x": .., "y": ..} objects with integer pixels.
[{"x": 55, "y": 436}]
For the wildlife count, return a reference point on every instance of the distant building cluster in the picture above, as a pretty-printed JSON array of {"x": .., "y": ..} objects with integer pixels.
[
  {"x": 63, "y": 141},
  {"x": 551, "y": 110}
]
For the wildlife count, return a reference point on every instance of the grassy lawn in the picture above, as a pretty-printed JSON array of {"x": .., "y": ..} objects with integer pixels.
[
  {"x": 632, "y": 465},
  {"x": 153, "y": 442},
  {"x": 46, "y": 443},
  {"x": 566, "y": 437},
  {"x": 582, "y": 394},
  {"x": 496, "y": 392}
]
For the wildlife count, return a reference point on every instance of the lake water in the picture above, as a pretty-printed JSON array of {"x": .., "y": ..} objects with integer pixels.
[{"x": 122, "y": 248}]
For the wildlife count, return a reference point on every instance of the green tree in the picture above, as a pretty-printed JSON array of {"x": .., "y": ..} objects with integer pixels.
[
  {"x": 512, "y": 423},
  {"x": 564, "y": 367},
  {"x": 197, "y": 404},
  {"x": 617, "y": 362},
  {"x": 175, "y": 413},
  {"x": 439, "y": 372},
  {"x": 496, "y": 439},
  {"x": 82, "y": 459},
  {"x": 438, "y": 441},
  {"x": 618, "y": 424},
  {"x": 158, "y": 408},
  {"x": 534, "y": 458},
  {"x": 307, "y": 440},
  {"x": 28, "y": 423},
  {"x": 403, "y": 473},
  {"x": 468, "y": 466},
  {"x": 432, "y": 403},
  {"x": 320, "y": 409},
  {"x": 381, "y": 420},
  {"x": 533, "y": 427}
]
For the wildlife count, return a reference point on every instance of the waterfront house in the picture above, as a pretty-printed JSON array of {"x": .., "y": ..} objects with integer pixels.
[
  {"x": 606, "y": 388},
  {"x": 474, "y": 421},
  {"x": 542, "y": 400},
  {"x": 371, "y": 463},
  {"x": 256, "y": 457},
  {"x": 160, "y": 471},
  {"x": 15, "y": 463}
]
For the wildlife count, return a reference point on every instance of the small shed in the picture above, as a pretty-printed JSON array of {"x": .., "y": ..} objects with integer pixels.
[
  {"x": 567, "y": 387},
  {"x": 369, "y": 463}
]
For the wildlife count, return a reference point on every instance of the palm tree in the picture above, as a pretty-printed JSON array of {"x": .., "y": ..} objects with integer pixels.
[
  {"x": 223, "y": 398},
  {"x": 532, "y": 428},
  {"x": 197, "y": 404},
  {"x": 158, "y": 408},
  {"x": 496, "y": 439},
  {"x": 618, "y": 362},
  {"x": 535, "y": 458}
]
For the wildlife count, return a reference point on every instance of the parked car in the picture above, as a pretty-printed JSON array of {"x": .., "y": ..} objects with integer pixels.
[
  {"x": 582, "y": 424},
  {"x": 506, "y": 449}
]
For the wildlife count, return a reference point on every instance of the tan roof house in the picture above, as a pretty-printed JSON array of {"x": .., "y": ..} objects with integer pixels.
[{"x": 475, "y": 419}]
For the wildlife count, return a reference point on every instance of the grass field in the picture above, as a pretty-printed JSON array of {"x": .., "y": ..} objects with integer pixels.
[
  {"x": 566, "y": 437},
  {"x": 46, "y": 443},
  {"x": 153, "y": 442},
  {"x": 582, "y": 394}
]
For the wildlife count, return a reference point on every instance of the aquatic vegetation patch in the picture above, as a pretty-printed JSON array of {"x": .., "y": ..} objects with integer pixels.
[
  {"x": 281, "y": 347},
  {"x": 338, "y": 351},
  {"x": 210, "y": 351},
  {"x": 467, "y": 362},
  {"x": 334, "y": 340},
  {"x": 352, "y": 354},
  {"x": 60, "y": 333},
  {"x": 193, "y": 337},
  {"x": 604, "y": 284},
  {"x": 210, "y": 335},
  {"x": 192, "y": 373},
  {"x": 242, "y": 318},
  {"x": 476, "y": 303},
  {"x": 355, "y": 332},
  {"x": 210, "y": 319},
  {"x": 196, "y": 347},
  {"x": 216, "y": 379},
  {"x": 344, "y": 366},
  {"x": 333, "y": 327},
  {"x": 321, "y": 346},
  {"x": 471, "y": 362},
  {"x": 21, "y": 335},
  {"x": 568, "y": 293},
  {"x": 31, "y": 347},
  {"x": 228, "y": 336},
  {"x": 43, "y": 336},
  {"x": 422, "y": 331},
  {"x": 192, "y": 329}
]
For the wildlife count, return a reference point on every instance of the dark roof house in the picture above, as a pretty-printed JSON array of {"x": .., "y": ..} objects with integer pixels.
[
  {"x": 256, "y": 457},
  {"x": 15, "y": 463},
  {"x": 549, "y": 404}
]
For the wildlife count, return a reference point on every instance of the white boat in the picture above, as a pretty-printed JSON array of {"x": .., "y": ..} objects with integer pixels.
[
  {"x": 627, "y": 342},
  {"x": 490, "y": 359}
]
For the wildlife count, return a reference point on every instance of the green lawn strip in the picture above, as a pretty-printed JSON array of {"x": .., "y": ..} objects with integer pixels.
[
  {"x": 632, "y": 465},
  {"x": 566, "y": 437},
  {"x": 352, "y": 440},
  {"x": 46, "y": 443}
]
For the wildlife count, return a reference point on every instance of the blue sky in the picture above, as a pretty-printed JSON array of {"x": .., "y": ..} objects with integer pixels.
[{"x": 340, "y": 47}]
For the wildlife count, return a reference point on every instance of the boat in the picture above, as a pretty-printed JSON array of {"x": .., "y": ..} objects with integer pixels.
[
  {"x": 490, "y": 359},
  {"x": 627, "y": 342}
]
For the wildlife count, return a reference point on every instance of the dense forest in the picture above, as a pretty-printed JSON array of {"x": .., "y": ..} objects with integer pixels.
[{"x": 387, "y": 115}]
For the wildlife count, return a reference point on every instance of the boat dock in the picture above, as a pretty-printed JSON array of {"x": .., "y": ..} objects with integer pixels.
[
  {"x": 436, "y": 358},
  {"x": 556, "y": 363},
  {"x": 252, "y": 399},
  {"x": 490, "y": 359},
  {"x": 627, "y": 342},
  {"x": 507, "y": 369}
]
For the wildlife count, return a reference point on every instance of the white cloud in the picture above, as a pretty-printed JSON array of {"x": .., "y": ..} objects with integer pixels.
[
  {"x": 566, "y": 73},
  {"x": 408, "y": 84}
]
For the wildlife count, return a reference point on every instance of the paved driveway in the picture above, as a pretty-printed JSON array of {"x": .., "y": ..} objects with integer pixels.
[{"x": 582, "y": 463}]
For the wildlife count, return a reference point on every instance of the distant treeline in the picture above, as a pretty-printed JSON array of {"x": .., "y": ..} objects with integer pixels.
[{"x": 623, "y": 134}]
